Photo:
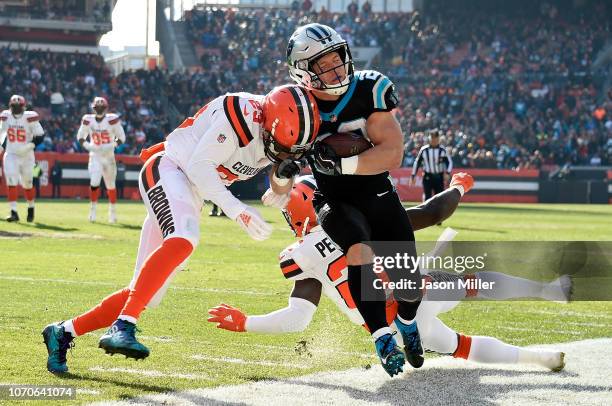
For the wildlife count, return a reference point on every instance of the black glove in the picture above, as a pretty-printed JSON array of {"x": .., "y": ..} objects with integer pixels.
[
  {"x": 287, "y": 169},
  {"x": 325, "y": 160}
]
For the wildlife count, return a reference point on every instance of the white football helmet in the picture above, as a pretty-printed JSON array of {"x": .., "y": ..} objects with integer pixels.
[
  {"x": 307, "y": 44},
  {"x": 17, "y": 104}
]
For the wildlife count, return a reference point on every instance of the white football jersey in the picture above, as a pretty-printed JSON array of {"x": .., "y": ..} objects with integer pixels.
[
  {"x": 316, "y": 256},
  {"x": 227, "y": 132},
  {"x": 19, "y": 131},
  {"x": 101, "y": 133}
]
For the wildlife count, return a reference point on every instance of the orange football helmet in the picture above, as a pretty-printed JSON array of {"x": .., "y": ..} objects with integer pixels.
[
  {"x": 291, "y": 122},
  {"x": 300, "y": 213},
  {"x": 99, "y": 105}
]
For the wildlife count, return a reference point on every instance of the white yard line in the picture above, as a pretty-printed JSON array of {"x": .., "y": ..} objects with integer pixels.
[
  {"x": 100, "y": 283},
  {"x": 149, "y": 373},
  {"x": 441, "y": 381},
  {"x": 200, "y": 357}
]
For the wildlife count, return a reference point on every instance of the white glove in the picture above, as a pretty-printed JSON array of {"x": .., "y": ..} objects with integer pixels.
[
  {"x": 29, "y": 147},
  {"x": 252, "y": 222},
  {"x": 274, "y": 199}
]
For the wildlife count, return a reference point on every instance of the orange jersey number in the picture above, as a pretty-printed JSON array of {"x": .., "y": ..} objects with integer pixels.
[
  {"x": 16, "y": 134},
  {"x": 101, "y": 137},
  {"x": 334, "y": 272}
]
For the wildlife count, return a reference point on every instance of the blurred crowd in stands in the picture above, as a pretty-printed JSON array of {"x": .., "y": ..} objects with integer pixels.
[
  {"x": 66, "y": 10},
  {"x": 512, "y": 88}
]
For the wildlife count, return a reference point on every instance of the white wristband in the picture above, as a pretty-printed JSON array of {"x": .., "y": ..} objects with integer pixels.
[
  {"x": 349, "y": 165},
  {"x": 459, "y": 188},
  {"x": 280, "y": 181}
]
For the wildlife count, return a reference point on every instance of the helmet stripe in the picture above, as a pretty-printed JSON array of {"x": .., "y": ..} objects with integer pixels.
[
  {"x": 310, "y": 118},
  {"x": 300, "y": 109},
  {"x": 308, "y": 183},
  {"x": 315, "y": 33}
]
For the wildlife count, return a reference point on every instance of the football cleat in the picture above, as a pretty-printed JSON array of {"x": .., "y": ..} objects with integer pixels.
[
  {"x": 121, "y": 339},
  {"x": 30, "y": 214},
  {"x": 92, "y": 214},
  {"x": 13, "y": 217},
  {"x": 58, "y": 342},
  {"x": 112, "y": 214},
  {"x": 214, "y": 212},
  {"x": 412, "y": 343},
  {"x": 391, "y": 357}
]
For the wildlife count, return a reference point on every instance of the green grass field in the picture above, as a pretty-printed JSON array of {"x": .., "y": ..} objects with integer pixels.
[{"x": 61, "y": 265}]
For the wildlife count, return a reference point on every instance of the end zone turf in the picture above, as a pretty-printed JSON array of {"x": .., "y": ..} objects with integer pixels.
[{"x": 444, "y": 380}]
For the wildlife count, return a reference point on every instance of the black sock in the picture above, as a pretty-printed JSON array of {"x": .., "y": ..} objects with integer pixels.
[
  {"x": 369, "y": 301},
  {"x": 407, "y": 310}
]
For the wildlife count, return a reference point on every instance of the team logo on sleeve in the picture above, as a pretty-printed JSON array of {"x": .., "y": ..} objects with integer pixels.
[{"x": 221, "y": 138}]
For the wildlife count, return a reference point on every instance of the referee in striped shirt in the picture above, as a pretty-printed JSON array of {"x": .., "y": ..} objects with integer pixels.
[{"x": 436, "y": 163}]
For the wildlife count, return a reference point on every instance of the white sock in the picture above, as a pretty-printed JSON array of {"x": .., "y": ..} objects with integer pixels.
[
  {"x": 491, "y": 351},
  {"x": 403, "y": 321},
  {"x": 548, "y": 359},
  {"x": 125, "y": 317},
  {"x": 94, "y": 205},
  {"x": 381, "y": 332},
  {"x": 13, "y": 206},
  {"x": 558, "y": 290},
  {"x": 31, "y": 203},
  {"x": 69, "y": 328},
  {"x": 508, "y": 287}
]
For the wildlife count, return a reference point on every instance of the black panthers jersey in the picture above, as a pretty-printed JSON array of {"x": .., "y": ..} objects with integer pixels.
[{"x": 368, "y": 92}]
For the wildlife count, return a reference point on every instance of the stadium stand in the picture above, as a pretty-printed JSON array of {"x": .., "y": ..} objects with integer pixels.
[{"x": 469, "y": 80}]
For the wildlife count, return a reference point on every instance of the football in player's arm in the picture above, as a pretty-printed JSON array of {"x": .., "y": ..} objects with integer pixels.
[{"x": 308, "y": 286}]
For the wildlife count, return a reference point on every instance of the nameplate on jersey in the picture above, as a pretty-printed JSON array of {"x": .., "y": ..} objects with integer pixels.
[{"x": 325, "y": 247}]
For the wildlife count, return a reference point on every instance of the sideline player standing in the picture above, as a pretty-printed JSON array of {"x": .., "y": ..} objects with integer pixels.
[
  {"x": 231, "y": 138},
  {"x": 20, "y": 132},
  {"x": 356, "y": 201},
  {"x": 105, "y": 132}
]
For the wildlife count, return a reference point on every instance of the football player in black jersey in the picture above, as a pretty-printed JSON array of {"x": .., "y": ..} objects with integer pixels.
[{"x": 356, "y": 201}]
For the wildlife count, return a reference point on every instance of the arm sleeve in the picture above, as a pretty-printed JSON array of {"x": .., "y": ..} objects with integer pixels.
[
  {"x": 83, "y": 130},
  {"x": 384, "y": 94},
  {"x": 119, "y": 132},
  {"x": 291, "y": 319},
  {"x": 202, "y": 170},
  {"x": 3, "y": 129},
  {"x": 36, "y": 129},
  {"x": 417, "y": 163}
]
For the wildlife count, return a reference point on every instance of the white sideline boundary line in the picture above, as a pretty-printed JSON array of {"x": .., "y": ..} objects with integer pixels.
[{"x": 441, "y": 381}]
